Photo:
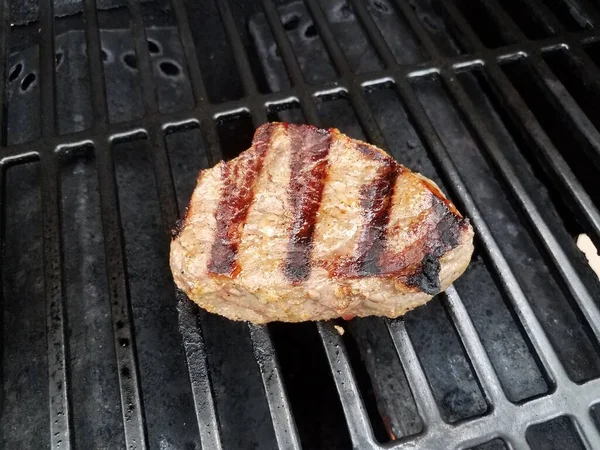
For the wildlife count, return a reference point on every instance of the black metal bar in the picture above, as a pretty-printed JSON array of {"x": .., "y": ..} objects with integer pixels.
[
  {"x": 4, "y": 35},
  {"x": 284, "y": 424},
  {"x": 357, "y": 419},
  {"x": 56, "y": 318},
  {"x": 288, "y": 56},
  {"x": 189, "y": 49},
  {"x": 96, "y": 67},
  {"x": 47, "y": 70},
  {"x": 195, "y": 353},
  {"x": 474, "y": 347},
  {"x": 257, "y": 108},
  {"x": 510, "y": 284},
  {"x": 58, "y": 379},
  {"x": 131, "y": 397},
  {"x": 355, "y": 90},
  {"x": 560, "y": 259},
  {"x": 423, "y": 396},
  {"x": 550, "y": 156}
]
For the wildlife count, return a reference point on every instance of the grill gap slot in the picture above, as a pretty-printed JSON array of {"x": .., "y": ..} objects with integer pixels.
[
  {"x": 305, "y": 41},
  {"x": 506, "y": 343},
  {"x": 167, "y": 399},
  {"x": 572, "y": 75},
  {"x": 394, "y": 28},
  {"x": 94, "y": 384},
  {"x": 121, "y": 73},
  {"x": 495, "y": 444},
  {"x": 240, "y": 401},
  {"x": 570, "y": 14},
  {"x": 381, "y": 379},
  {"x": 235, "y": 134},
  {"x": 310, "y": 387},
  {"x": 187, "y": 157},
  {"x": 213, "y": 52},
  {"x": 350, "y": 36},
  {"x": 25, "y": 414},
  {"x": 553, "y": 434},
  {"x": 259, "y": 44},
  {"x": 22, "y": 94},
  {"x": 171, "y": 79},
  {"x": 553, "y": 304},
  {"x": 595, "y": 413},
  {"x": 527, "y": 18},
  {"x": 381, "y": 432},
  {"x": 289, "y": 112},
  {"x": 482, "y": 23},
  {"x": 335, "y": 111},
  {"x": 451, "y": 377},
  {"x": 73, "y": 92}
]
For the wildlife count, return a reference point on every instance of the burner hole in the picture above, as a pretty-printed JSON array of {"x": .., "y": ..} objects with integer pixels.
[
  {"x": 104, "y": 55},
  {"x": 123, "y": 342},
  {"x": 381, "y": 6},
  {"x": 311, "y": 31},
  {"x": 153, "y": 47},
  {"x": 169, "y": 68},
  {"x": 130, "y": 60},
  {"x": 120, "y": 324},
  {"x": 291, "y": 23},
  {"x": 58, "y": 58},
  {"x": 15, "y": 72},
  {"x": 27, "y": 81},
  {"x": 125, "y": 372}
]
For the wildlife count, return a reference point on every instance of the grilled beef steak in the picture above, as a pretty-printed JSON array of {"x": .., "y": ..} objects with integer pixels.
[{"x": 309, "y": 224}]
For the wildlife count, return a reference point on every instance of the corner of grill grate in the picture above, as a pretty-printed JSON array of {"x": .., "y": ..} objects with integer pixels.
[{"x": 109, "y": 110}]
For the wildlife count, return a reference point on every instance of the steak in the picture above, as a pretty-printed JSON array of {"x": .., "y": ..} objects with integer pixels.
[{"x": 309, "y": 224}]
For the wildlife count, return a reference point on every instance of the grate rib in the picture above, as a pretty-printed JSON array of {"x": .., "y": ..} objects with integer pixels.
[
  {"x": 189, "y": 49},
  {"x": 126, "y": 356},
  {"x": 58, "y": 380},
  {"x": 257, "y": 109},
  {"x": 143, "y": 57},
  {"x": 415, "y": 375},
  {"x": 288, "y": 56},
  {"x": 96, "y": 67},
  {"x": 4, "y": 34},
  {"x": 560, "y": 259},
  {"x": 284, "y": 425},
  {"x": 477, "y": 354},
  {"x": 357, "y": 419},
  {"x": 509, "y": 283}
]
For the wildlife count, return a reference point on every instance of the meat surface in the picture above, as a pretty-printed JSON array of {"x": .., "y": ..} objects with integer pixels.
[{"x": 309, "y": 224}]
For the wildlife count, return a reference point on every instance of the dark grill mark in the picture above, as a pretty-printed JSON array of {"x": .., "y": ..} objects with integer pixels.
[
  {"x": 309, "y": 152},
  {"x": 376, "y": 203},
  {"x": 237, "y": 194}
]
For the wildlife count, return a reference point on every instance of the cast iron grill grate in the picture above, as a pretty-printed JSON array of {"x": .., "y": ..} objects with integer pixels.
[{"x": 493, "y": 101}]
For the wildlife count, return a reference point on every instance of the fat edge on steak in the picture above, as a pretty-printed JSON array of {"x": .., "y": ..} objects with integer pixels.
[{"x": 309, "y": 224}]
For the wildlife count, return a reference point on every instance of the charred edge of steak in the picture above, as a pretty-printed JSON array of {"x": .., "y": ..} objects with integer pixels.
[
  {"x": 239, "y": 178},
  {"x": 427, "y": 276},
  {"x": 178, "y": 228},
  {"x": 309, "y": 160},
  {"x": 444, "y": 237}
]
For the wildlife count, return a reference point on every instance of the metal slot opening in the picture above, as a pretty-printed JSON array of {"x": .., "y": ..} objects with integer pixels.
[
  {"x": 94, "y": 387},
  {"x": 235, "y": 134},
  {"x": 319, "y": 416},
  {"x": 556, "y": 433}
]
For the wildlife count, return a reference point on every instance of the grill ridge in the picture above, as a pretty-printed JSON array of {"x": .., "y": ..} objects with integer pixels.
[{"x": 504, "y": 419}]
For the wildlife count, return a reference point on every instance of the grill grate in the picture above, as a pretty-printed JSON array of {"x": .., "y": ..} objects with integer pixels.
[{"x": 509, "y": 421}]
